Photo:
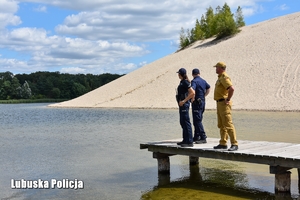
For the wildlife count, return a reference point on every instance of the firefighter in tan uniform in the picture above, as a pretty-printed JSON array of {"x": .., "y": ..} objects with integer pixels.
[{"x": 222, "y": 94}]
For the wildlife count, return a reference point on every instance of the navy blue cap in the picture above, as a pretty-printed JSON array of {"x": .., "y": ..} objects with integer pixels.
[
  {"x": 181, "y": 71},
  {"x": 195, "y": 71}
]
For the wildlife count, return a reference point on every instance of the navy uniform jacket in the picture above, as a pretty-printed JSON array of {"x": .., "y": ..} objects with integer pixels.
[
  {"x": 200, "y": 86},
  {"x": 182, "y": 90}
]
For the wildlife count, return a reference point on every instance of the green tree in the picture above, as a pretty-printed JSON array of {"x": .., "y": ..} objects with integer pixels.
[
  {"x": 209, "y": 20},
  {"x": 183, "y": 39},
  {"x": 8, "y": 86},
  {"x": 55, "y": 93},
  {"x": 14, "y": 88},
  {"x": 78, "y": 90},
  {"x": 24, "y": 91},
  {"x": 198, "y": 32},
  {"x": 225, "y": 24},
  {"x": 220, "y": 24},
  {"x": 5, "y": 89},
  {"x": 239, "y": 18}
]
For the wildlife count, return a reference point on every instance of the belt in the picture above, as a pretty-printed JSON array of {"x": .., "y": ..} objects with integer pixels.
[{"x": 220, "y": 100}]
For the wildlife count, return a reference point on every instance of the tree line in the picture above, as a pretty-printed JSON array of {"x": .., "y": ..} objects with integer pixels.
[
  {"x": 50, "y": 85},
  {"x": 221, "y": 23}
]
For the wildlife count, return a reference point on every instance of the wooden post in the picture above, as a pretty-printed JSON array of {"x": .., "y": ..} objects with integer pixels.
[
  {"x": 195, "y": 173},
  {"x": 283, "y": 182},
  {"x": 163, "y": 162},
  {"x": 194, "y": 160},
  {"x": 282, "y": 179},
  {"x": 164, "y": 179}
]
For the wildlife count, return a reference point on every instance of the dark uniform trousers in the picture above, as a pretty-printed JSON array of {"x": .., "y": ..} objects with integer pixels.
[
  {"x": 198, "y": 110},
  {"x": 185, "y": 123},
  {"x": 225, "y": 123}
]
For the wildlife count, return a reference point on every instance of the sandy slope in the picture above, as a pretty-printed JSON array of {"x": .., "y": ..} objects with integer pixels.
[{"x": 263, "y": 62}]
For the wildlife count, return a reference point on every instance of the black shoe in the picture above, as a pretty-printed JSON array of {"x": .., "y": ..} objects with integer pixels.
[
  {"x": 201, "y": 141},
  {"x": 187, "y": 145},
  {"x": 233, "y": 148},
  {"x": 180, "y": 143},
  {"x": 220, "y": 147},
  {"x": 196, "y": 139}
]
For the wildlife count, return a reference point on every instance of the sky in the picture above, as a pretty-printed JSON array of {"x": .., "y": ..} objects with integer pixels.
[{"x": 106, "y": 36}]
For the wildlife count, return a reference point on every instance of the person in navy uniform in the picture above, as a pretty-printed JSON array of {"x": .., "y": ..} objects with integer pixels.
[
  {"x": 202, "y": 89},
  {"x": 185, "y": 92}
]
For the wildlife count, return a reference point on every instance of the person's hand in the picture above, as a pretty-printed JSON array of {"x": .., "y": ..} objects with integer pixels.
[
  {"x": 227, "y": 101},
  {"x": 181, "y": 103}
]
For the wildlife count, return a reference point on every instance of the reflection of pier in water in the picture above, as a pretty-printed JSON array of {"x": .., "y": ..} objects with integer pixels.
[
  {"x": 202, "y": 184},
  {"x": 281, "y": 157}
]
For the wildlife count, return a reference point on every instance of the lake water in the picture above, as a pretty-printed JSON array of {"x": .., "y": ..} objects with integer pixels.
[{"x": 100, "y": 148}]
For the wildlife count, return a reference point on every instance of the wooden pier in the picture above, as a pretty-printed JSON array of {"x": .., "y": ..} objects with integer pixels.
[{"x": 281, "y": 157}]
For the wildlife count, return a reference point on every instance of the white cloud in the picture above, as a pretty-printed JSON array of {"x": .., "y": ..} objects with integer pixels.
[
  {"x": 41, "y": 9},
  {"x": 8, "y": 6},
  {"x": 10, "y": 65},
  {"x": 50, "y": 51},
  {"x": 143, "y": 63},
  {"x": 100, "y": 35},
  {"x": 7, "y": 17},
  {"x": 72, "y": 70},
  {"x": 282, "y": 7}
]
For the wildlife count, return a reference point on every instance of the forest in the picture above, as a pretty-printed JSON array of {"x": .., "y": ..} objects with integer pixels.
[{"x": 50, "y": 85}]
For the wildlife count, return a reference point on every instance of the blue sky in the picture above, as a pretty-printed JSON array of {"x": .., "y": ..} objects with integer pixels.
[{"x": 106, "y": 36}]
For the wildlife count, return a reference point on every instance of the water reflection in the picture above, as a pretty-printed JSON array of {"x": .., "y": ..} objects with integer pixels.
[{"x": 223, "y": 181}]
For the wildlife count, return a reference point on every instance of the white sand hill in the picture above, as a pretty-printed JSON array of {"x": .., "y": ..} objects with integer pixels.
[{"x": 263, "y": 61}]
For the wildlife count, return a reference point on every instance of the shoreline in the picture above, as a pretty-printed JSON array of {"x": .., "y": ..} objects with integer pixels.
[{"x": 163, "y": 108}]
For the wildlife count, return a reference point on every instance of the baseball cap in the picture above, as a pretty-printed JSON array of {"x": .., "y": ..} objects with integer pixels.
[
  {"x": 195, "y": 71},
  {"x": 181, "y": 71},
  {"x": 220, "y": 64}
]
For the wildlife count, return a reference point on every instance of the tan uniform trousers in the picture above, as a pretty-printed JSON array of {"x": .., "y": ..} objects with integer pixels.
[{"x": 225, "y": 123}]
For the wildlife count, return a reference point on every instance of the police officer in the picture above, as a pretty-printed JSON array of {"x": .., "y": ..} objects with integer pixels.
[
  {"x": 223, "y": 94},
  {"x": 202, "y": 89},
  {"x": 185, "y": 92}
]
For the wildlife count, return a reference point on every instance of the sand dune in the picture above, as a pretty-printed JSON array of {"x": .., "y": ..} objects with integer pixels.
[{"x": 263, "y": 61}]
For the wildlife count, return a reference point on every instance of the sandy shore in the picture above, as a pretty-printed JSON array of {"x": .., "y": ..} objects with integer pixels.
[{"x": 263, "y": 61}]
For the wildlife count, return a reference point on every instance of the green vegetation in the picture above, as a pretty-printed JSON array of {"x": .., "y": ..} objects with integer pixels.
[
  {"x": 48, "y": 86},
  {"x": 14, "y": 101},
  {"x": 220, "y": 24}
]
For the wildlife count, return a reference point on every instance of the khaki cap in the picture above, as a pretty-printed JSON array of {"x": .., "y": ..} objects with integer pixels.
[{"x": 220, "y": 64}]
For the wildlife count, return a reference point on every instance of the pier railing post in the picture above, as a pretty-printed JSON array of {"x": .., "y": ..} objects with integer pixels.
[
  {"x": 163, "y": 162},
  {"x": 282, "y": 179}
]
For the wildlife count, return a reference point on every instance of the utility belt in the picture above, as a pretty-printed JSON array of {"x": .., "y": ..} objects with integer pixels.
[{"x": 197, "y": 101}]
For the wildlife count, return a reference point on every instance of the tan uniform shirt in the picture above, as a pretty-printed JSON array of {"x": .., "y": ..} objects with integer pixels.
[{"x": 221, "y": 87}]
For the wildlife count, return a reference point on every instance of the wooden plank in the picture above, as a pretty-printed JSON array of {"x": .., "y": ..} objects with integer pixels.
[
  {"x": 260, "y": 152},
  {"x": 288, "y": 152},
  {"x": 225, "y": 155},
  {"x": 275, "y": 148},
  {"x": 266, "y": 149}
]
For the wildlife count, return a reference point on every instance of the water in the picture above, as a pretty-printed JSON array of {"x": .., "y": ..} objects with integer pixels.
[{"x": 100, "y": 147}]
